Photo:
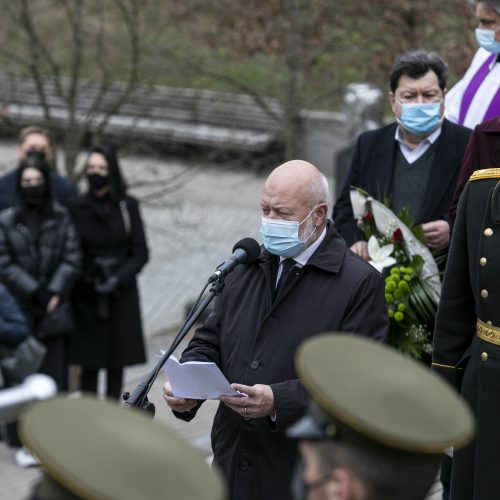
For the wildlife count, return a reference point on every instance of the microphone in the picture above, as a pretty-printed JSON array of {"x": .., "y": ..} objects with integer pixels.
[
  {"x": 16, "y": 399},
  {"x": 245, "y": 251}
]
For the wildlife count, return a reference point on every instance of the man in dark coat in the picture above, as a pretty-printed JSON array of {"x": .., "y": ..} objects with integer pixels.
[
  {"x": 414, "y": 162},
  {"x": 255, "y": 329},
  {"x": 467, "y": 335},
  {"x": 35, "y": 139}
]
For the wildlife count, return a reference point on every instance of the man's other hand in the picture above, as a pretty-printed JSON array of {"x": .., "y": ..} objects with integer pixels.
[
  {"x": 177, "y": 404},
  {"x": 361, "y": 248},
  {"x": 436, "y": 234},
  {"x": 258, "y": 402}
]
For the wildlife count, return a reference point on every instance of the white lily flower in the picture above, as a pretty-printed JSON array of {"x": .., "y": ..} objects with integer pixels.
[{"x": 380, "y": 257}]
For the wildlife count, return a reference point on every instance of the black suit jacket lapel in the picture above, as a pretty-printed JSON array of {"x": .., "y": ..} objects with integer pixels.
[
  {"x": 383, "y": 164},
  {"x": 443, "y": 175}
]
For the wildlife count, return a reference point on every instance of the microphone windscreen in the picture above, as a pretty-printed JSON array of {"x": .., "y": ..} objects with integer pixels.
[{"x": 251, "y": 247}]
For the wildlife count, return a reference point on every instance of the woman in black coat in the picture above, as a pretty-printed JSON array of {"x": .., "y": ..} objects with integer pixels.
[
  {"x": 108, "y": 329},
  {"x": 40, "y": 259}
]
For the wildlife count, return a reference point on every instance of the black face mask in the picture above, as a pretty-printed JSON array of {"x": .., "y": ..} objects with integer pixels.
[
  {"x": 97, "y": 182},
  {"x": 34, "y": 196}
]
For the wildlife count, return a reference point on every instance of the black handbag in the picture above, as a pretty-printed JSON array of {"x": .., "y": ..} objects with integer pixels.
[
  {"x": 58, "y": 322},
  {"x": 23, "y": 360}
]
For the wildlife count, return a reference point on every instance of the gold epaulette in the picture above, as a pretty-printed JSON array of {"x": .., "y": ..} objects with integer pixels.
[{"x": 485, "y": 173}]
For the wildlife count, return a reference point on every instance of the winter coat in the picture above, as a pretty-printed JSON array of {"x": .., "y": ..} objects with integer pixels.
[
  {"x": 113, "y": 338},
  {"x": 52, "y": 262},
  {"x": 253, "y": 340},
  {"x": 13, "y": 325}
]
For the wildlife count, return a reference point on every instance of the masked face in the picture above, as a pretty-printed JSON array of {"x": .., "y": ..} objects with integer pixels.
[
  {"x": 97, "y": 181},
  {"x": 36, "y": 142},
  {"x": 97, "y": 172},
  {"x": 33, "y": 188},
  {"x": 417, "y": 103},
  {"x": 34, "y": 195},
  {"x": 488, "y": 31},
  {"x": 420, "y": 118},
  {"x": 486, "y": 40},
  {"x": 281, "y": 237},
  {"x": 309, "y": 480}
]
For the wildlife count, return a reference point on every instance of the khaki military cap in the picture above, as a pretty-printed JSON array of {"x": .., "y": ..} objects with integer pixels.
[
  {"x": 97, "y": 450},
  {"x": 368, "y": 392}
]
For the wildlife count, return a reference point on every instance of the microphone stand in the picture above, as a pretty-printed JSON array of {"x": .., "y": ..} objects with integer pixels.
[{"x": 138, "y": 398}]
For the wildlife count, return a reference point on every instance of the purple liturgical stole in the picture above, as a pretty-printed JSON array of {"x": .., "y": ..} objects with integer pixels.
[{"x": 470, "y": 91}]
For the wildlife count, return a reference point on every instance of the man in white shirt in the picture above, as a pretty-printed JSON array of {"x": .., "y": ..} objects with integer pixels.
[{"x": 412, "y": 163}]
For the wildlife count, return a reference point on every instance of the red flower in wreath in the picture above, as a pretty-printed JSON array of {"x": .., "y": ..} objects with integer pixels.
[
  {"x": 367, "y": 217},
  {"x": 397, "y": 236}
]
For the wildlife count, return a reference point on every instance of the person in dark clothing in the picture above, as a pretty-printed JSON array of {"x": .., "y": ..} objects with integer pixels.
[
  {"x": 14, "y": 327},
  {"x": 467, "y": 336},
  {"x": 414, "y": 162},
  {"x": 108, "y": 331},
  {"x": 39, "y": 257},
  {"x": 257, "y": 325},
  {"x": 35, "y": 139},
  {"x": 39, "y": 264}
]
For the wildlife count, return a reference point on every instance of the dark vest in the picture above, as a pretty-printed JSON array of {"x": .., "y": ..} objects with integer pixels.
[{"x": 410, "y": 181}]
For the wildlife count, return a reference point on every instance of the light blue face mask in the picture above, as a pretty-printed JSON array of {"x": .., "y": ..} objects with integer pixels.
[
  {"x": 486, "y": 40},
  {"x": 420, "y": 118},
  {"x": 281, "y": 237}
]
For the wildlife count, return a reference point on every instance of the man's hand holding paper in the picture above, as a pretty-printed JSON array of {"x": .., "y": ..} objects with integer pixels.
[
  {"x": 259, "y": 401},
  {"x": 177, "y": 404},
  {"x": 197, "y": 380}
]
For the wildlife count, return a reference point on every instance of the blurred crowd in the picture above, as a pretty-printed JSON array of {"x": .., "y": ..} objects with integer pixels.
[{"x": 68, "y": 267}]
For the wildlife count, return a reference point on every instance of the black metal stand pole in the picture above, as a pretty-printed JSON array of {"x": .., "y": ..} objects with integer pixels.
[{"x": 138, "y": 398}]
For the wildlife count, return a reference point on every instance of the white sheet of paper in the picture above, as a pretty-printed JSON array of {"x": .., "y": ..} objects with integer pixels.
[{"x": 197, "y": 380}]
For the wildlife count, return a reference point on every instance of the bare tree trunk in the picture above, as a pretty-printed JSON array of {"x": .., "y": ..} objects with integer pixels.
[
  {"x": 77, "y": 82},
  {"x": 291, "y": 103}
]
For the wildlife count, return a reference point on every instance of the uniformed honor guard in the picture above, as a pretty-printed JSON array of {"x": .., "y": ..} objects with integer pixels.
[
  {"x": 377, "y": 423},
  {"x": 92, "y": 449},
  {"x": 467, "y": 336}
]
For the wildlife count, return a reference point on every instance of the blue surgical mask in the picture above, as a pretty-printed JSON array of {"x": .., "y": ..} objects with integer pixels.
[
  {"x": 486, "y": 40},
  {"x": 420, "y": 118},
  {"x": 281, "y": 237}
]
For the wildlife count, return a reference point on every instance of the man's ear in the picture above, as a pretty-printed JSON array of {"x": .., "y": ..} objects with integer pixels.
[
  {"x": 321, "y": 213},
  {"x": 347, "y": 486},
  {"x": 392, "y": 102}
]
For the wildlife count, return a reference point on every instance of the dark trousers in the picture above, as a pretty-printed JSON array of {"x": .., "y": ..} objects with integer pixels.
[
  {"x": 445, "y": 475},
  {"x": 88, "y": 381},
  {"x": 55, "y": 364}
]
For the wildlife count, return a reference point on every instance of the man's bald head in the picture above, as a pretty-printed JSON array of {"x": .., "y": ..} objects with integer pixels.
[
  {"x": 297, "y": 191},
  {"x": 302, "y": 180}
]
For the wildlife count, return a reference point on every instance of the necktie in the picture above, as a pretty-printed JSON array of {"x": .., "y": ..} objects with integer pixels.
[{"x": 285, "y": 270}]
